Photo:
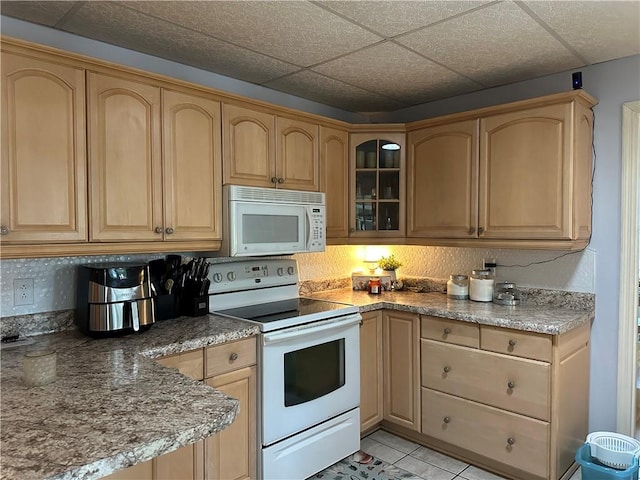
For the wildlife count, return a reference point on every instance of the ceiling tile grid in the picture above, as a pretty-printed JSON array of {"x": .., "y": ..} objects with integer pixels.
[{"x": 362, "y": 56}]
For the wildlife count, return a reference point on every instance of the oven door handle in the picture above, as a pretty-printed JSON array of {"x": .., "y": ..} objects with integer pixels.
[{"x": 311, "y": 329}]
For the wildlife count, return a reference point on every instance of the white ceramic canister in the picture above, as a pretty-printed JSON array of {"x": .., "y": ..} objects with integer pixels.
[
  {"x": 458, "y": 287},
  {"x": 481, "y": 285}
]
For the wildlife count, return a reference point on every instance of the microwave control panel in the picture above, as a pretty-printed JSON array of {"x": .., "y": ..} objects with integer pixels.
[{"x": 316, "y": 242}]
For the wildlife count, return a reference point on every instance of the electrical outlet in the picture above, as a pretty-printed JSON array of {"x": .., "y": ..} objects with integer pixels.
[
  {"x": 490, "y": 264},
  {"x": 22, "y": 291}
]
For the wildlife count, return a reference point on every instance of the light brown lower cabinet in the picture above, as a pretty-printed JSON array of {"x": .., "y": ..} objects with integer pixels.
[
  {"x": 512, "y": 402},
  {"x": 370, "y": 370},
  {"x": 229, "y": 454},
  {"x": 401, "y": 371}
]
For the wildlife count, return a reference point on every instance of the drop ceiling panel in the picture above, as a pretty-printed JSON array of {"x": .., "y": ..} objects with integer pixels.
[
  {"x": 44, "y": 13},
  {"x": 496, "y": 45},
  {"x": 390, "y": 18},
  {"x": 333, "y": 92},
  {"x": 394, "y": 71},
  {"x": 114, "y": 23},
  {"x": 602, "y": 31},
  {"x": 297, "y": 32}
]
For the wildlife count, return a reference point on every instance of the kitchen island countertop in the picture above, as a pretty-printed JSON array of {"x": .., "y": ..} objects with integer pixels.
[
  {"x": 546, "y": 319},
  {"x": 111, "y": 406}
]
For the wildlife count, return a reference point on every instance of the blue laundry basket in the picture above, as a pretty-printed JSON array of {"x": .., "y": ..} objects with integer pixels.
[{"x": 594, "y": 470}]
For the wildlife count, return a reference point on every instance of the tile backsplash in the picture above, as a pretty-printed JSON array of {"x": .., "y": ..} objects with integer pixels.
[{"x": 55, "y": 278}]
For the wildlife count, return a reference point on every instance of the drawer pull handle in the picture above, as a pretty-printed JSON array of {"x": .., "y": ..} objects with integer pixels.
[
  {"x": 446, "y": 420},
  {"x": 512, "y": 343},
  {"x": 447, "y": 369},
  {"x": 511, "y": 440},
  {"x": 511, "y": 385},
  {"x": 233, "y": 357},
  {"x": 447, "y": 331}
]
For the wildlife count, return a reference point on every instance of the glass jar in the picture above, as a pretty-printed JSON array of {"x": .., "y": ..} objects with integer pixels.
[
  {"x": 458, "y": 287},
  {"x": 481, "y": 285},
  {"x": 374, "y": 286},
  {"x": 39, "y": 367}
]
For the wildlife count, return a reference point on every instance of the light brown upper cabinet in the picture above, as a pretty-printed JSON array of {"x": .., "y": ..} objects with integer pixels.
[
  {"x": 43, "y": 167},
  {"x": 535, "y": 173},
  {"x": 265, "y": 150},
  {"x": 192, "y": 167},
  {"x": 443, "y": 188},
  {"x": 148, "y": 186},
  {"x": 516, "y": 175},
  {"x": 334, "y": 158},
  {"x": 377, "y": 206}
]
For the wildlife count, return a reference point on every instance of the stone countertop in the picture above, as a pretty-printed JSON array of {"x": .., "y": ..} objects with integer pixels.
[
  {"x": 111, "y": 406},
  {"x": 547, "y": 319}
]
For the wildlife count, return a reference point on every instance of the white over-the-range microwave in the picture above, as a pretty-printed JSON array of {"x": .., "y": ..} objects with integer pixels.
[{"x": 268, "y": 221}]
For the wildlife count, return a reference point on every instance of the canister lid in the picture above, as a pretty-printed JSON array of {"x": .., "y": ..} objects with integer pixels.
[{"x": 481, "y": 272}]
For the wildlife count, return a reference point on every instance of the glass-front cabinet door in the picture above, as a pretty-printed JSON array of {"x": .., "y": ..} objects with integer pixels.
[{"x": 377, "y": 207}]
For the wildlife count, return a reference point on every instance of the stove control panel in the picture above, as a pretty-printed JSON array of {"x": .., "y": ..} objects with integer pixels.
[{"x": 251, "y": 274}]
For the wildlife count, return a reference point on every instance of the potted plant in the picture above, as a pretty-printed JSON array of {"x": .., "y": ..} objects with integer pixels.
[{"x": 389, "y": 265}]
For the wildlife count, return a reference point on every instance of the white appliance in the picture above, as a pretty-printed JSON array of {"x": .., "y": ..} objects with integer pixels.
[
  {"x": 269, "y": 221},
  {"x": 308, "y": 366}
]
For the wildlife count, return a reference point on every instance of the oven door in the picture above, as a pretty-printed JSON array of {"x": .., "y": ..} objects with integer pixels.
[{"x": 309, "y": 374}]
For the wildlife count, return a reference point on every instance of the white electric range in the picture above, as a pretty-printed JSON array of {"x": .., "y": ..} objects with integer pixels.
[{"x": 308, "y": 366}]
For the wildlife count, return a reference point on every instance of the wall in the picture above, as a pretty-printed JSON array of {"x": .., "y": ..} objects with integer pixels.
[{"x": 613, "y": 83}]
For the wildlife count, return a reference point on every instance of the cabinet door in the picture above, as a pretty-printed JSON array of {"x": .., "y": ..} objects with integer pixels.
[
  {"x": 192, "y": 166},
  {"x": 185, "y": 463},
  {"x": 124, "y": 159},
  {"x": 231, "y": 453},
  {"x": 334, "y": 160},
  {"x": 43, "y": 166},
  {"x": 442, "y": 192},
  {"x": 249, "y": 146},
  {"x": 297, "y": 161},
  {"x": 141, "y": 471},
  {"x": 525, "y": 174},
  {"x": 377, "y": 207},
  {"x": 401, "y": 349},
  {"x": 370, "y": 370}
]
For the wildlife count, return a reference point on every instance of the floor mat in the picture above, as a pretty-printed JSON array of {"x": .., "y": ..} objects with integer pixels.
[{"x": 361, "y": 465}]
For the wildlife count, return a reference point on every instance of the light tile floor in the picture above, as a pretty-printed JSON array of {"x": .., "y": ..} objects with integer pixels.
[{"x": 422, "y": 461}]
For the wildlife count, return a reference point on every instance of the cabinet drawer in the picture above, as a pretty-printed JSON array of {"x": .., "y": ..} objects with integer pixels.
[
  {"x": 188, "y": 363},
  {"x": 513, "y": 342},
  {"x": 505, "y": 437},
  {"x": 515, "y": 384},
  {"x": 450, "y": 331},
  {"x": 229, "y": 356}
]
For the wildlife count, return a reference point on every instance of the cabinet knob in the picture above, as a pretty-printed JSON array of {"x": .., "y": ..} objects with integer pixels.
[
  {"x": 169, "y": 231},
  {"x": 352, "y": 229},
  {"x": 159, "y": 230},
  {"x": 511, "y": 440},
  {"x": 233, "y": 357},
  {"x": 511, "y": 385},
  {"x": 471, "y": 230},
  {"x": 447, "y": 331},
  {"x": 447, "y": 369},
  {"x": 280, "y": 180},
  {"x": 274, "y": 179},
  {"x": 512, "y": 343},
  {"x": 4, "y": 230},
  {"x": 446, "y": 419},
  {"x": 480, "y": 230}
]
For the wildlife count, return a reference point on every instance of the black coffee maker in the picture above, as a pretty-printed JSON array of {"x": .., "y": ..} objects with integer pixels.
[{"x": 114, "y": 298}]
